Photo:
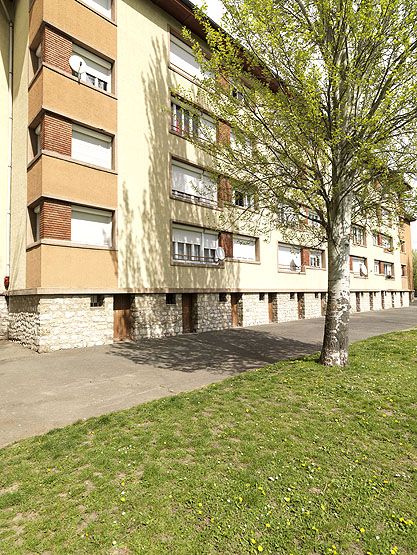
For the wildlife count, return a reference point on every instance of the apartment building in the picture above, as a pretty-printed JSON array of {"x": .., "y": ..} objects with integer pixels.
[{"x": 114, "y": 220}]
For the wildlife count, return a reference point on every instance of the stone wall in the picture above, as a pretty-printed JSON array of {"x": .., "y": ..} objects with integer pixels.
[
  {"x": 397, "y": 299},
  {"x": 312, "y": 305},
  {"x": 287, "y": 307},
  {"x": 255, "y": 309},
  {"x": 52, "y": 323},
  {"x": 153, "y": 317},
  {"x": 69, "y": 321},
  {"x": 4, "y": 318},
  {"x": 212, "y": 313},
  {"x": 406, "y": 298}
]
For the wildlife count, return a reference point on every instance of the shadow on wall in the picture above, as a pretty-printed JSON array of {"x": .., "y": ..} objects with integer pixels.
[
  {"x": 146, "y": 208},
  {"x": 222, "y": 352}
]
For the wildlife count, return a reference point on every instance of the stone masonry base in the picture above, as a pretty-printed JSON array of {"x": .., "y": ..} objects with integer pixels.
[{"x": 47, "y": 323}]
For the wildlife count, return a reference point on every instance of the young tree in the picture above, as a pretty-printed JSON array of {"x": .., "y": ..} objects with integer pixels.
[{"x": 321, "y": 98}]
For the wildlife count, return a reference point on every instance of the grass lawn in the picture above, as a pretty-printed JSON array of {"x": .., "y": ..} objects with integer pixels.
[{"x": 292, "y": 458}]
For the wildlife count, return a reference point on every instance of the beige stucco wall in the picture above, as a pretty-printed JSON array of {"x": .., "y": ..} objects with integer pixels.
[
  {"x": 4, "y": 136},
  {"x": 20, "y": 112},
  {"x": 145, "y": 207}
]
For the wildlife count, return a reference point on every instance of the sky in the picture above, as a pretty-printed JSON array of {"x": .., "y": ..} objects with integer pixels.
[{"x": 214, "y": 10}]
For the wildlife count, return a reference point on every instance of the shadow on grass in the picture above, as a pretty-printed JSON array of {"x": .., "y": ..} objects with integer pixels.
[{"x": 231, "y": 351}]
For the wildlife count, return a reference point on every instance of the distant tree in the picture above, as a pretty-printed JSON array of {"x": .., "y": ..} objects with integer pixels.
[{"x": 321, "y": 97}]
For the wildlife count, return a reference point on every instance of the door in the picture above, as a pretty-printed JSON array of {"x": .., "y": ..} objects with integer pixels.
[
  {"x": 236, "y": 312},
  {"x": 121, "y": 317},
  {"x": 272, "y": 303},
  {"x": 188, "y": 303}
]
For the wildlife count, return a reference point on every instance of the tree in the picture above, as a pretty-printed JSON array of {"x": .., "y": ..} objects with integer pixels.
[{"x": 321, "y": 97}]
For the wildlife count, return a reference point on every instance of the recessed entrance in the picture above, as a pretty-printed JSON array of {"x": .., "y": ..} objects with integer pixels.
[
  {"x": 237, "y": 315},
  {"x": 301, "y": 306},
  {"x": 121, "y": 317},
  {"x": 188, "y": 312},
  {"x": 272, "y": 307}
]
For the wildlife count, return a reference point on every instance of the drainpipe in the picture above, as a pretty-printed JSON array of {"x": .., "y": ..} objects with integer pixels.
[{"x": 9, "y": 178}]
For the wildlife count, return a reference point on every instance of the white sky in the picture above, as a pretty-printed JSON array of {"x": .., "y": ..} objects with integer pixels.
[{"x": 214, "y": 10}]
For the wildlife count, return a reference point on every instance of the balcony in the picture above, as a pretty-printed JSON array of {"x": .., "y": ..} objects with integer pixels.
[
  {"x": 66, "y": 266},
  {"x": 56, "y": 176},
  {"x": 61, "y": 93}
]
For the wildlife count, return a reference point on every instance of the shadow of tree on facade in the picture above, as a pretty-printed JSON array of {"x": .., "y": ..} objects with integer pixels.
[{"x": 221, "y": 352}]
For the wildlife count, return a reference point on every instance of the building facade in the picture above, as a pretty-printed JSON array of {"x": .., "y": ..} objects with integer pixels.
[{"x": 109, "y": 220}]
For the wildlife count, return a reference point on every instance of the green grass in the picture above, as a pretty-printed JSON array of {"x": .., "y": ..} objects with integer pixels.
[{"x": 292, "y": 458}]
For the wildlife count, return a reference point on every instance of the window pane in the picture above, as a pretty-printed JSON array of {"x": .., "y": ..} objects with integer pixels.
[
  {"x": 182, "y": 57},
  {"x": 93, "y": 228}
]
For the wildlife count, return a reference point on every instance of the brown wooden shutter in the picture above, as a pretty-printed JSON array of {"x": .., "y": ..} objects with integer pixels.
[
  {"x": 381, "y": 267},
  {"x": 350, "y": 263}
]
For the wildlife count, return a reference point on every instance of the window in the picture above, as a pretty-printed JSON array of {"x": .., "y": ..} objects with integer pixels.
[
  {"x": 403, "y": 270},
  {"x": 97, "y": 71},
  {"x": 376, "y": 239},
  {"x": 100, "y": 6},
  {"x": 292, "y": 296},
  {"x": 261, "y": 296},
  {"x": 181, "y": 56},
  {"x": 193, "y": 183},
  {"x": 358, "y": 235},
  {"x": 386, "y": 242},
  {"x": 358, "y": 265},
  {"x": 376, "y": 267},
  {"x": 287, "y": 215},
  {"x": 385, "y": 215},
  {"x": 91, "y": 147},
  {"x": 222, "y": 297},
  {"x": 388, "y": 269},
  {"x": 187, "y": 122},
  {"x": 243, "y": 199},
  {"x": 96, "y": 301},
  {"x": 289, "y": 258},
  {"x": 194, "y": 245},
  {"x": 244, "y": 248},
  {"x": 240, "y": 143},
  {"x": 316, "y": 259},
  {"x": 91, "y": 227},
  {"x": 170, "y": 298},
  {"x": 402, "y": 246},
  {"x": 313, "y": 218}
]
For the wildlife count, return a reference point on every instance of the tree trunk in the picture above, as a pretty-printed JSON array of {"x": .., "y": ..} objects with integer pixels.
[{"x": 334, "y": 350}]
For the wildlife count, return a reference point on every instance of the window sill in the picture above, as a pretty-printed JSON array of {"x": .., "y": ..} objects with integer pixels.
[
  {"x": 179, "y": 71},
  {"x": 212, "y": 206},
  {"x": 315, "y": 268},
  {"x": 218, "y": 265},
  {"x": 358, "y": 276},
  {"x": 64, "y": 243},
  {"x": 291, "y": 272},
  {"x": 52, "y": 154},
  {"x": 243, "y": 261}
]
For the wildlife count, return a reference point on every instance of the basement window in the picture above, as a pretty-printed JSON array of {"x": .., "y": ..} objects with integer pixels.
[
  {"x": 292, "y": 296},
  {"x": 96, "y": 301},
  {"x": 170, "y": 298},
  {"x": 261, "y": 296},
  {"x": 222, "y": 297}
]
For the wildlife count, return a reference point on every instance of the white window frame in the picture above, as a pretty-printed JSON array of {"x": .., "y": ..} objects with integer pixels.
[
  {"x": 95, "y": 5},
  {"x": 388, "y": 269},
  {"x": 246, "y": 200},
  {"x": 198, "y": 195},
  {"x": 357, "y": 262},
  {"x": 296, "y": 252},
  {"x": 103, "y": 74},
  {"x": 246, "y": 241},
  {"x": 92, "y": 212},
  {"x": 196, "y": 71},
  {"x": 358, "y": 235},
  {"x": 386, "y": 242},
  {"x": 316, "y": 259},
  {"x": 376, "y": 267},
  {"x": 197, "y": 252},
  {"x": 95, "y": 135}
]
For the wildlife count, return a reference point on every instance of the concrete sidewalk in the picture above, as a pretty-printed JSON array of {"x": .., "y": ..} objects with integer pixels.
[{"x": 42, "y": 392}]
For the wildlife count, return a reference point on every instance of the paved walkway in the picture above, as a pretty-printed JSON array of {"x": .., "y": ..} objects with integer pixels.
[{"x": 42, "y": 392}]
